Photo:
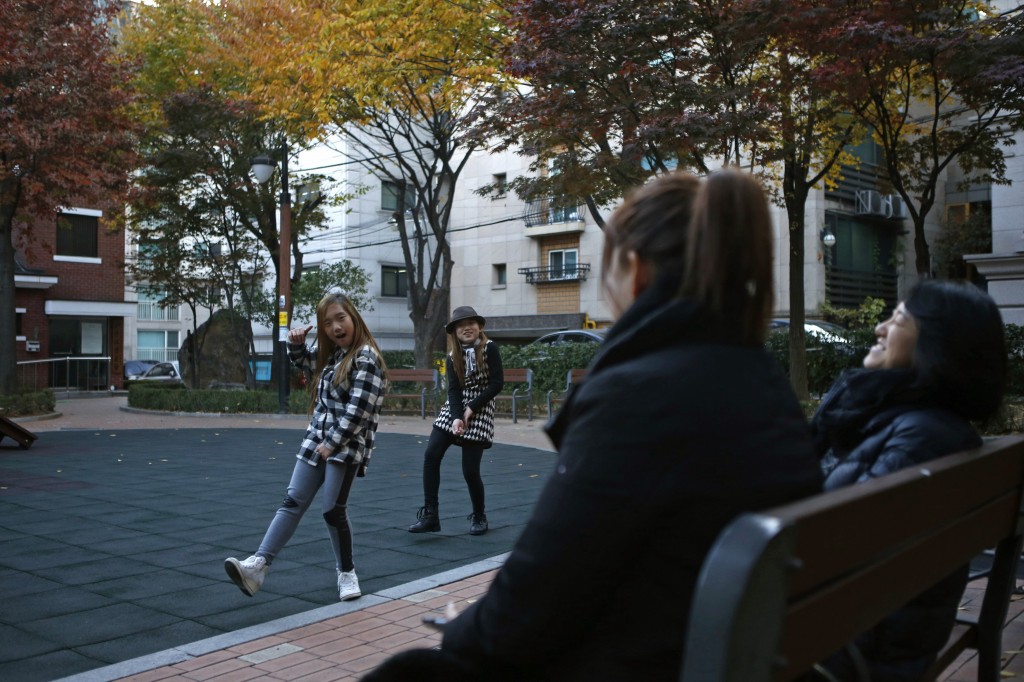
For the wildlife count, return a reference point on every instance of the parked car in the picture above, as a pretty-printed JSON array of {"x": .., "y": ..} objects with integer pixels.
[
  {"x": 571, "y": 336},
  {"x": 161, "y": 371},
  {"x": 133, "y": 369},
  {"x": 826, "y": 331}
]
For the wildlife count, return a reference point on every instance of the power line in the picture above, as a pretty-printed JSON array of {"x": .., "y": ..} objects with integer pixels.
[{"x": 459, "y": 229}]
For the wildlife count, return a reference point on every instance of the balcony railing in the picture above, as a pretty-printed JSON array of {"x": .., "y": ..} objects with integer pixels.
[
  {"x": 153, "y": 312},
  {"x": 542, "y": 275},
  {"x": 158, "y": 354},
  {"x": 552, "y": 210}
]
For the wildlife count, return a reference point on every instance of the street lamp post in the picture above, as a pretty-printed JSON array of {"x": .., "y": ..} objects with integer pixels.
[{"x": 263, "y": 169}]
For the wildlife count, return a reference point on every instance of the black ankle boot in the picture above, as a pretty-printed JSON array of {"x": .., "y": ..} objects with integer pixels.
[
  {"x": 428, "y": 521},
  {"x": 477, "y": 523}
]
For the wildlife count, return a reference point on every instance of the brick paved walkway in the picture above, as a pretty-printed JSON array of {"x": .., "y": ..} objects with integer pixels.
[
  {"x": 343, "y": 648},
  {"x": 335, "y": 650}
]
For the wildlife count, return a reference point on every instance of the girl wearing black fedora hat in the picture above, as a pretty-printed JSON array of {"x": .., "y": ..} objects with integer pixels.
[{"x": 475, "y": 377}]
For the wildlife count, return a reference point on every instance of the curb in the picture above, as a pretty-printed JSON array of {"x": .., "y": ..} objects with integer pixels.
[
  {"x": 185, "y": 652},
  {"x": 242, "y": 415},
  {"x": 37, "y": 417}
]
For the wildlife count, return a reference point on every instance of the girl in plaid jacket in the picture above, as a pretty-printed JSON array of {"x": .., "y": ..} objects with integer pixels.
[
  {"x": 475, "y": 377},
  {"x": 345, "y": 404}
]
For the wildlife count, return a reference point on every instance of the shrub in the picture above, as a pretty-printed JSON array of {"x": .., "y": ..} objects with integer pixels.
[
  {"x": 550, "y": 364},
  {"x": 825, "y": 361},
  {"x": 28, "y": 403},
  {"x": 1009, "y": 419},
  {"x": 399, "y": 359},
  {"x": 1015, "y": 357},
  {"x": 213, "y": 400}
]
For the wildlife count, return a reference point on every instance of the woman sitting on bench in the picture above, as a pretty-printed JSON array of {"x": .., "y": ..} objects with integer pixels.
[{"x": 939, "y": 362}]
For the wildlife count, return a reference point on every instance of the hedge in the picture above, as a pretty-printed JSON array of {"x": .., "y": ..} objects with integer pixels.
[
  {"x": 213, "y": 400},
  {"x": 28, "y": 403}
]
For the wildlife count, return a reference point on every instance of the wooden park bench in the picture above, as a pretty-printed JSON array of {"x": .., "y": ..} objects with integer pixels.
[
  {"x": 521, "y": 383},
  {"x": 785, "y": 588},
  {"x": 573, "y": 376},
  {"x": 425, "y": 384},
  {"x": 17, "y": 433}
]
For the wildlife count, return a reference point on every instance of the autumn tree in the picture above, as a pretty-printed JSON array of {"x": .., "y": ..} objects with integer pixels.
[
  {"x": 613, "y": 92},
  {"x": 66, "y": 137},
  {"x": 937, "y": 82},
  {"x": 201, "y": 133},
  {"x": 400, "y": 81}
]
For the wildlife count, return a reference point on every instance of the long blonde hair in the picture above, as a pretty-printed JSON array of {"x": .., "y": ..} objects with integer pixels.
[
  {"x": 459, "y": 360},
  {"x": 326, "y": 347}
]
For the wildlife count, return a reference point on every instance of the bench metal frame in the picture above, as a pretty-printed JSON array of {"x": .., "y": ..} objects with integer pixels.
[
  {"x": 519, "y": 376},
  {"x": 573, "y": 376}
]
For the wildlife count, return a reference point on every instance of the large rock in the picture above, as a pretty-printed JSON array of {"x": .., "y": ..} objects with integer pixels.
[{"x": 222, "y": 345}]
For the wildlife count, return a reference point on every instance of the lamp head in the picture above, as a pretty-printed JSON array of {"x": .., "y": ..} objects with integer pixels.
[{"x": 263, "y": 169}]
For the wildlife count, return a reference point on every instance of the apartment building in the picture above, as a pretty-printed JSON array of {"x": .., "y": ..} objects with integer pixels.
[
  {"x": 529, "y": 267},
  {"x": 1003, "y": 268},
  {"x": 70, "y": 300}
]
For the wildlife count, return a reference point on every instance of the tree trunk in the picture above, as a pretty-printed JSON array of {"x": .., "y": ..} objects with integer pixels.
[
  {"x": 922, "y": 254},
  {"x": 797, "y": 342},
  {"x": 796, "y": 199},
  {"x": 432, "y": 320},
  {"x": 8, "y": 316}
]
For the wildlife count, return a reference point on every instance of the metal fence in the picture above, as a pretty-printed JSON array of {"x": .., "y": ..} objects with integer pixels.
[{"x": 65, "y": 374}]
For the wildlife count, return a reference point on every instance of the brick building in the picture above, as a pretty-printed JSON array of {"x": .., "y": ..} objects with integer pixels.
[{"x": 70, "y": 300}]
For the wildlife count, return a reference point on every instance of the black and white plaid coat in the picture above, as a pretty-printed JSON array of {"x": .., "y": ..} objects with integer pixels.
[
  {"x": 478, "y": 393},
  {"x": 344, "y": 417}
]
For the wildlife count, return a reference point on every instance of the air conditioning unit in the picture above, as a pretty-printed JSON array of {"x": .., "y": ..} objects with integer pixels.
[
  {"x": 870, "y": 202},
  {"x": 897, "y": 208}
]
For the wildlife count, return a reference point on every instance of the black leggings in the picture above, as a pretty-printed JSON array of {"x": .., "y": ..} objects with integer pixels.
[{"x": 472, "y": 454}]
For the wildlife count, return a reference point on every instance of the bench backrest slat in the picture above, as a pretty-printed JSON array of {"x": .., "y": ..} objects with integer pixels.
[
  {"x": 785, "y": 588},
  {"x": 396, "y": 376},
  {"x": 517, "y": 375}
]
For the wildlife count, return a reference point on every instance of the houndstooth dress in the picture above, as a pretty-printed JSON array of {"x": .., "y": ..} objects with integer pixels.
[{"x": 478, "y": 393}]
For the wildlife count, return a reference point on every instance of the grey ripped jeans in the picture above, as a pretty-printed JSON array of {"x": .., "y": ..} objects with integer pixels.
[{"x": 336, "y": 479}]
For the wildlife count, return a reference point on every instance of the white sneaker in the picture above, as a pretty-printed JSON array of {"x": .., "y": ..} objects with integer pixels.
[
  {"x": 248, "y": 574},
  {"x": 348, "y": 586}
]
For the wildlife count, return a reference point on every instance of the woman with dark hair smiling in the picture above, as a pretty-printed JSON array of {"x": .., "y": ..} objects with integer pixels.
[{"x": 938, "y": 362}]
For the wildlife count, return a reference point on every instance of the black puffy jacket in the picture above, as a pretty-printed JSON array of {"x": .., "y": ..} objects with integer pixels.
[
  {"x": 871, "y": 423},
  {"x": 675, "y": 431}
]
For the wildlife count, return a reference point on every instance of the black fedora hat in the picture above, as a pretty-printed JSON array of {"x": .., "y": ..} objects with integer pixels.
[{"x": 463, "y": 312}]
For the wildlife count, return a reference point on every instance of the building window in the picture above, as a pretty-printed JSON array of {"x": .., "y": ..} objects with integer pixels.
[
  {"x": 151, "y": 308},
  {"x": 500, "y": 274},
  {"x": 76, "y": 337},
  {"x": 76, "y": 235},
  {"x": 562, "y": 263},
  {"x": 499, "y": 181},
  {"x": 390, "y": 193},
  {"x": 157, "y": 345},
  {"x": 19, "y": 323},
  {"x": 394, "y": 281}
]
